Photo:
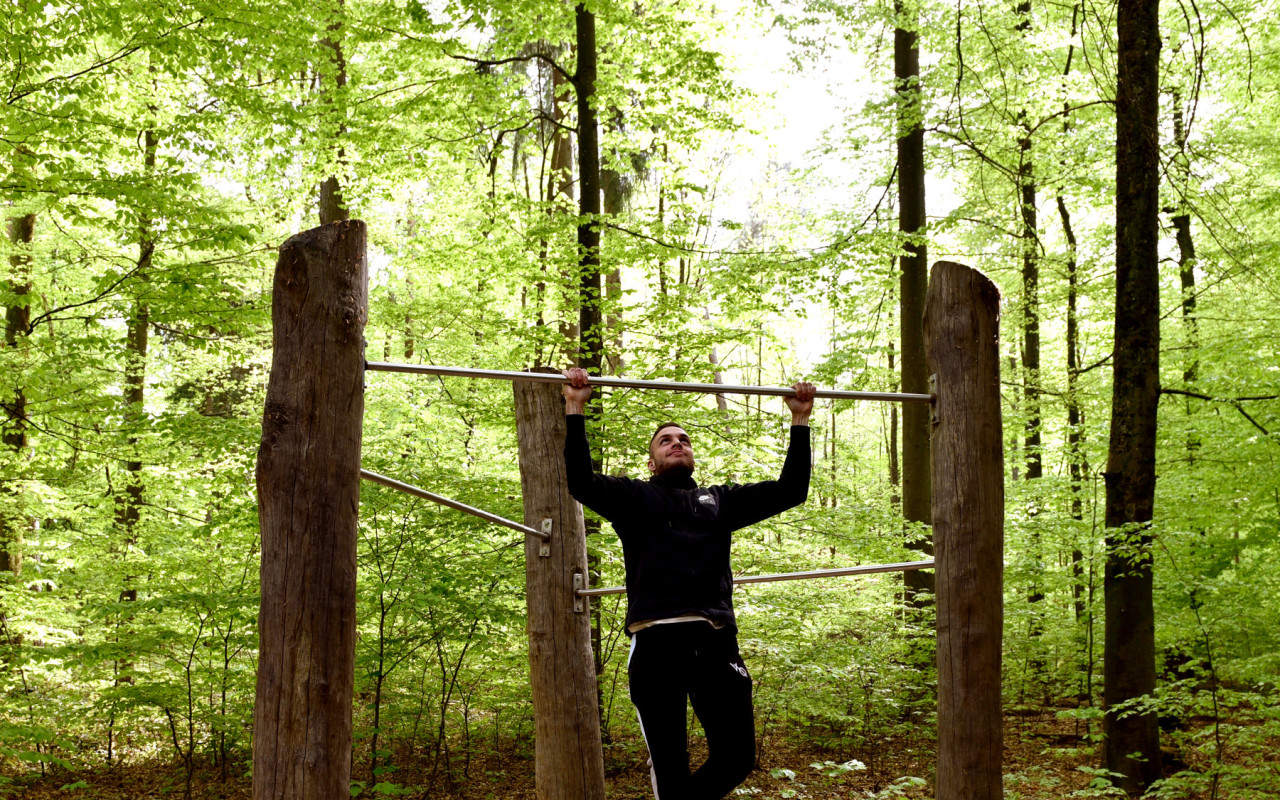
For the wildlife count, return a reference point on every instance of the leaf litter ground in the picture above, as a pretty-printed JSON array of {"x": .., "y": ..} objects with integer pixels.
[{"x": 1043, "y": 760}]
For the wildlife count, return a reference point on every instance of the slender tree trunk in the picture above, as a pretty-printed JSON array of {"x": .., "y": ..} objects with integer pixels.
[
  {"x": 713, "y": 358},
  {"x": 1181, "y": 220},
  {"x": 1030, "y": 245},
  {"x": 1187, "y": 274},
  {"x": 1075, "y": 416},
  {"x": 129, "y": 505},
  {"x": 559, "y": 188},
  {"x": 591, "y": 331},
  {"x": 332, "y": 207},
  {"x": 615, "y": 191},
  {"x": 1029, "y": 240},
  {"x": 308, "y": 502},
  {"x": 913, "y": 279},
  {"x": 13, "y": 428},
  {"x": 1132, "y": 737},
  {"x": 559, "y": 179},
  {"x": 895, "y": 473}
]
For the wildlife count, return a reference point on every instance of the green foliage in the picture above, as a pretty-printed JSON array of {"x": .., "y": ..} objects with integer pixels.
[{"x": 132, "y": 638}]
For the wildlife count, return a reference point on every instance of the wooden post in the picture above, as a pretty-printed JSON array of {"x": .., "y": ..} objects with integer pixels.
[
  {"x": 961, "y": 329},
  {"x": 308, "y": 498},
  {"x": 570, "y": 762}
]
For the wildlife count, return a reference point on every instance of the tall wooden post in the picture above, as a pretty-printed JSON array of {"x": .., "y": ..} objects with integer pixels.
[
  {"x": 570, "y": 763},
  {"x": 961, "y": 328},
  {"x": 308, "y": 497}
]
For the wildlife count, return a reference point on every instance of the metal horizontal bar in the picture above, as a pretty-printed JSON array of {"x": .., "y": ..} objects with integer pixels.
[
  {"x": 627, "y": 383},
  {"x": 869, "y": 569},
  {"x": 392, "y": 483}
]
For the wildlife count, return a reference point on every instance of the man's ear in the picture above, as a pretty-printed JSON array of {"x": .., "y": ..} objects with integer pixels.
[{"x": 652, "y": 466}]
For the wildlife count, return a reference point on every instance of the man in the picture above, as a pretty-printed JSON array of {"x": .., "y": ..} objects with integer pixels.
[{"x": 675, "y": 544}]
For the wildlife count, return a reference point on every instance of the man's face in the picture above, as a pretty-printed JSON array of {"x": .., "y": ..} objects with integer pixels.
[{"x": 671, "y": 449}]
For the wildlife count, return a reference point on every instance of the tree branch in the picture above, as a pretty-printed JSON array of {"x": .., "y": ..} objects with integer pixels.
[
  {"x": 124, "y": 52},
  {"x": 1233, "y": 402},
  {"x": 514, "y": 60},
  {"x": 97, "y": 298},
  {"x": 1067, "y": 110}
]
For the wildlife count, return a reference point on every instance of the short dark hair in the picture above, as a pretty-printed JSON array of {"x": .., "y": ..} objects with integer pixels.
[{"x": 658, "y": 430}]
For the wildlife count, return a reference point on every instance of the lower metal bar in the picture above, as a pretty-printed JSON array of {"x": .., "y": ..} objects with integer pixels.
[
  {"x": 391, "y": 483},
  {"x": 792, "y": 576},
  {"x": 627, "y": 383}
]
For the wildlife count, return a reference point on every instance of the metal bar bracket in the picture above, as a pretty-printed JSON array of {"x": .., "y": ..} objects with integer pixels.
[
  {"x": 579, "y": 583},
  {"x": 544, "y": 546}
]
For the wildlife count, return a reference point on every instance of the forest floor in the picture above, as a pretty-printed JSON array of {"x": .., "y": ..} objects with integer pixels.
[{"x": 1042, "y": 758}]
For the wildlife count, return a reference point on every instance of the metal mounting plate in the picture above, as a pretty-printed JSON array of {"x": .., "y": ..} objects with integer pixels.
[
  {"x": 544, "y": 545},
  {"x": 579, "y": 583}
]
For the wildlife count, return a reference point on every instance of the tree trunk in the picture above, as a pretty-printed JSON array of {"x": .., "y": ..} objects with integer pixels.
[
  {"x": 1132, "y": 738},
  {"x": 1075, "y": 417},
  {"x": 895, "y": 470},
  {"x": 559, "y": 195},
  {"x": 13, "y": 523},
  {"x": 569, "y": 760},
  {"x": 1030, "y": 246},
  {"x": 913, "y": 279},
  {"x": 1030, "y": 242},
  {"x": 1181, "y": 172},
  {"x": 713, "y": 358},
  {"x": 137, "y": 328},
  {"x": 615, "y": 189},
  {"x": 961, "y": 325},
  {"x": 308, "y": 497},
  {"x": 590, "y": 329},
  {"x": 332, "y": 207}
]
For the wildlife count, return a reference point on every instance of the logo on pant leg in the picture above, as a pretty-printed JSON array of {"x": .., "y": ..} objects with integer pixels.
[{"x": 740, "y": 669}]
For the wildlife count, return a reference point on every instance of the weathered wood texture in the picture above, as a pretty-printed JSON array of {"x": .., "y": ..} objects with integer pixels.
[
  {"x": 570, "y": 763},
  {"x": 308, "y": 497},
  {"x": 961, "y": 325}
]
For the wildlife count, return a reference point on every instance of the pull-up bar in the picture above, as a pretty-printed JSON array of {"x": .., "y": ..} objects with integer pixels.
[
  {"x": 308, "y": 506},
  {"x": 391, "y": 483},
  {"x": 627, "y": 383},
  {"x": 869, "y": 569}
]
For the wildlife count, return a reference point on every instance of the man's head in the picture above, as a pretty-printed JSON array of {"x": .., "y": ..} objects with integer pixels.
[{"x": 670, "y": 451}]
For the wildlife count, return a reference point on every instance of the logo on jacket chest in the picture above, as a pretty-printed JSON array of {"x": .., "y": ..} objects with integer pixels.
[{"x": 706, "y": 501}]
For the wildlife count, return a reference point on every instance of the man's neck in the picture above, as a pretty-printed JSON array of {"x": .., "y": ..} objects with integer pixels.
[{"x": 676, "y": 478}]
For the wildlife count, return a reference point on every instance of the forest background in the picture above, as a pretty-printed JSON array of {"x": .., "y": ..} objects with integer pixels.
[{"x": 155, "y": 154}]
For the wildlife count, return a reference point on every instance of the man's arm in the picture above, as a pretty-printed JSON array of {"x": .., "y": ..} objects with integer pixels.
[
  {"x": 749, "y": 504},
  {"x": 605, "y": 495}
]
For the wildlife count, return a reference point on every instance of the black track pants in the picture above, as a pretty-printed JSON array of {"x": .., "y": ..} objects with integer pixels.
[{"x": 676, "y": 660}]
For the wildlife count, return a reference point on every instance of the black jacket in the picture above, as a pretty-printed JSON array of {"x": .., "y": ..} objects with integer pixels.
[{"x": 675, "y": 535}]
